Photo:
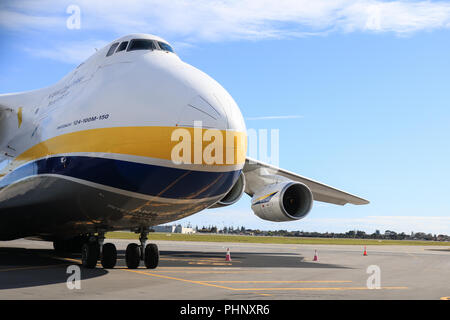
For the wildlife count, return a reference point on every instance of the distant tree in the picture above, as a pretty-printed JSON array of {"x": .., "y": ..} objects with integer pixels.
[{"x": 351, "y": 234}]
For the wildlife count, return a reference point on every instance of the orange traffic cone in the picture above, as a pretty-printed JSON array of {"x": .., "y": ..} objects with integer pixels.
[
  {"x": 365, "y": 251},
  {"x": 228, "y": 256},
  {"x": 316, "y": 257}
]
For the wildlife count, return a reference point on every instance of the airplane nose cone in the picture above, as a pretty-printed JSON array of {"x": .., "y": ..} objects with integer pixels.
[
  {"x": 204, "y": 109},
  {"x": 211, "y": 104}
]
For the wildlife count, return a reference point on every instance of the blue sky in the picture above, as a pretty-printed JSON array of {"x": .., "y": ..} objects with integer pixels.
[{"x": 361, "y": 88}]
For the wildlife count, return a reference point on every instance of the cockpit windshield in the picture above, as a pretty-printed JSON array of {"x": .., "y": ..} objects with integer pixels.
[
  {"x": 122, "y": 46},
  {"x": 141, "y": 44},
  {"x": 111, "y": 50},
  {"x": 165, "y": 46}
]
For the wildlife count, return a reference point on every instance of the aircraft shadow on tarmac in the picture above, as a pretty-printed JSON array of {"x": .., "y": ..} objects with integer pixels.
[
  {"x": 21, "y": 268},
  {"x": 238, "y": 260}
]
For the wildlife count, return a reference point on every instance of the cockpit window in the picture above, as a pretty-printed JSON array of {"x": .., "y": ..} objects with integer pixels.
[
  {"x": 112, "y": 49},
  {"x": 122, "y": 46},
  {"x": 165, "y": 46},
  {"x": 141, "y": 44}
]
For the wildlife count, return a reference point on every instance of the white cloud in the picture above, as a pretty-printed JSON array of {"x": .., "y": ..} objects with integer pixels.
[
  {"x": 17, "y": 20},
  {"x": 70, "y": 52},
  {"x": 212, "y": 20},
  {"x": 190, "y": 22}
]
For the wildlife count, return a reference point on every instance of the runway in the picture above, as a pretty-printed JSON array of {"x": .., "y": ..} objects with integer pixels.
[{"x": 198, "y": 271}]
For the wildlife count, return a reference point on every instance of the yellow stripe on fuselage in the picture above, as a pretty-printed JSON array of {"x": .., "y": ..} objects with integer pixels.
[{"x": 151, "y": 142}]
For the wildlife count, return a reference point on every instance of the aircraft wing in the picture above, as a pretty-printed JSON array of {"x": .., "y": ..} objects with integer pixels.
[{"x": 321, "y": 192}]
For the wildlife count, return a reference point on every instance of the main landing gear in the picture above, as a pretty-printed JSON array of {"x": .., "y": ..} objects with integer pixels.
[
  {"x": 149, "y": 253},
  {"x": 94, "y": 250}
]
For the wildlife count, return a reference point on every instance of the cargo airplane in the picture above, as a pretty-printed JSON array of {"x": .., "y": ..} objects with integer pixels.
[{"x": 132, "y": 138}]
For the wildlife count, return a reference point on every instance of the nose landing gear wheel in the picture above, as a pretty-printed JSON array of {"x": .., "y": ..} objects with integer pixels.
[
  {"x": 151, "y": 256},
  {"x": 132, "y": 256},
  {"x": 109, "y": 256},
  {"x": 89, "y": 255}
]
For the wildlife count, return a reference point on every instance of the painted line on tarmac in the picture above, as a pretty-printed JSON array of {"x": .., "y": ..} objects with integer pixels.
[
  {"x": 69, "y": 259},
  {"x": 60, "y": 258},
  {"x": 282, "y": 281},
  {"x": 188, "y": 281},
  {"x": 206, "y": 272},
  {"x": 200, "y": 261},
  {"x": 198, "y": 272},
  {"x": 77, "y": 261},
  {"x": 204, "y": 283},
  {"x": 211, "y": 263},
  {"x": 178, "y": 279},
  {"x": 318, "y": 289},
  {"x": 199, "y": 268}
]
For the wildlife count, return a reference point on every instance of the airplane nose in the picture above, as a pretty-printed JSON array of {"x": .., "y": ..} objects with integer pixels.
[
  {"x": 204, "y": 109},
  {"x": 210, "y": 103},
  {"x": 207, "y": 101}
]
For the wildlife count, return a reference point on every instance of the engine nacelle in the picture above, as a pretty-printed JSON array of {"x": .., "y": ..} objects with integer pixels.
[
  {"x": 233, "y": 195},
  {"x": 285, "y": 201}
]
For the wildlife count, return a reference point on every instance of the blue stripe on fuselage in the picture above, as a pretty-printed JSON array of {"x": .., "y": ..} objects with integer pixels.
[{"x": 141, "y": 178}]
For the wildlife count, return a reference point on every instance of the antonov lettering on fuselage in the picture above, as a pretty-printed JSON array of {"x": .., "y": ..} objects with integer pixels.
[{"x": 120, "y": 143}]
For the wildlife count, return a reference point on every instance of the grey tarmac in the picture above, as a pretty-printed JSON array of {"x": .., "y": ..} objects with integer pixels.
[{"x": 198, "y": 270}]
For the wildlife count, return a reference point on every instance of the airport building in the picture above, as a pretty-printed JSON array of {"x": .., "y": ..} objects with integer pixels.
[{"x": 173, "y": 229}]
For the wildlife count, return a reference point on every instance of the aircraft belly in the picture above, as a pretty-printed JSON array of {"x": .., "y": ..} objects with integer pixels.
[{"x": 78, "y": 194}]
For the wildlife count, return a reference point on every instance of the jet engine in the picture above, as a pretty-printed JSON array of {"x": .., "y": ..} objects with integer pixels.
[
  {"x": 283, "y": 201},
  {"x": 233, "y": 195}
]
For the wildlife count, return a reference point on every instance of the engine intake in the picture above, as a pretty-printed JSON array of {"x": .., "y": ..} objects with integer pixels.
[
  {"x": 285, "y": 201},
  {"x": 233, "y": 195}
]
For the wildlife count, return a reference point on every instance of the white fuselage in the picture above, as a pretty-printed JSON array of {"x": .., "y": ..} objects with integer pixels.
[{"x": 94, "y": 151}]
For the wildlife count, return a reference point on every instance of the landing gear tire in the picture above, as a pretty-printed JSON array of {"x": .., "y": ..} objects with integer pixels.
[
  {"x": 132, "y": 256},
  {"x": 151, "y": 256},
  {"x": 109, "y": 256},
  {"x": 90, "y": 253}
]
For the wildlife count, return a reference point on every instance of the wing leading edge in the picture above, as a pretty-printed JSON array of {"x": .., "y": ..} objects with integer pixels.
[{"x": 321, "y": 192}]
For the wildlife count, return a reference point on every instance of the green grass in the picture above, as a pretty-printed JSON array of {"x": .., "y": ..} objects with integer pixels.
[{"x": 276, "y": 240}]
